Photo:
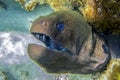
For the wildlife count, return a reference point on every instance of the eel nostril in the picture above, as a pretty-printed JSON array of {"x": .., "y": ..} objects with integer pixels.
[{"x": 45, "y": 23}]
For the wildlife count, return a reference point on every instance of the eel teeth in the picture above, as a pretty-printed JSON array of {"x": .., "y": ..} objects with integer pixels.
[{"x": 50, "y": 43}]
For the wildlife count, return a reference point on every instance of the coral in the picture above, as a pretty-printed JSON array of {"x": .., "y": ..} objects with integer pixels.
[
  {"x": 29, "y": 5},
  {"x": 61, "y": 77},
  {"x": 24, "y": 75},
  {"x": 55, "y": 4},
  {"x": 3, "y": 75},
  {"x": 103, "y": 15},
  {"x": 66, "y": 4},
  {"x": 41, "y": 1},
  {"x": 112, "y": 72},
  {"x": 21, "y": 1},
  {"x": 89, "y": 10},
  {"x": 59, "y": 4}
]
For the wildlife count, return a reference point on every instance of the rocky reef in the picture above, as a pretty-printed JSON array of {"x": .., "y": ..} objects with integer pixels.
[
  {"x": 29, "y": 5},
  {"x": 3, "y": 75},
  {"x": 113, "y": 71},
  {"x": 103, "y": 15}
]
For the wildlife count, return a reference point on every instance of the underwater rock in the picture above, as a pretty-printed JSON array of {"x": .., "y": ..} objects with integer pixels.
[
  {"x": 29, "y": 5},
  {"x": 61, "y": 77},
  {"x": 3, "y": 76},
  {"x": 103, "y": 15},
  {"x": 13, "y": 47},
  {"x": 24, "y": 75},
  {"x": 60, "y": 4},
  {"x": 3, "y": 5},
  {"x": 14, "y": 61},
  {"x": 113, "y": 71},
  {"x": 69, "y": 44}
]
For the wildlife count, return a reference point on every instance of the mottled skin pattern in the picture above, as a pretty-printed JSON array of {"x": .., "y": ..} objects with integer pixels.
[{"x": 76, "y": 37}]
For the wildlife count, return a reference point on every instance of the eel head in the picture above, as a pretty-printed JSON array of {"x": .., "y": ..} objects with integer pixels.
[{"x": 63, "y": 34}]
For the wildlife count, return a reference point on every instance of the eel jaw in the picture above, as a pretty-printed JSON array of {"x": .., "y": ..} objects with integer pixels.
[{"x": 50, "y": 43}]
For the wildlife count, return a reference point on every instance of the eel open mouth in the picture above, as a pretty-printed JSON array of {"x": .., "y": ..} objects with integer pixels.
[
  {"x": 68, "y": 41},
  {"x": 50, "y": 43}
]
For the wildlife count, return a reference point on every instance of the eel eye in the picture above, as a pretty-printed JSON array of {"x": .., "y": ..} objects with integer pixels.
[{"x": 60, "y": 26}]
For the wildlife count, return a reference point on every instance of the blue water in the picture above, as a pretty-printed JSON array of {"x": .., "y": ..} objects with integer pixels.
[{"x": 17, "y": 19}]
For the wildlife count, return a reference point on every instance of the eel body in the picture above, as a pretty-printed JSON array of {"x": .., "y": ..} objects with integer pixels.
[{"x": 69, "y": 44}]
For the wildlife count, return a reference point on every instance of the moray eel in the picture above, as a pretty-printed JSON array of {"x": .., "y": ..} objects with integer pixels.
[{"x": 70, "y": 45}]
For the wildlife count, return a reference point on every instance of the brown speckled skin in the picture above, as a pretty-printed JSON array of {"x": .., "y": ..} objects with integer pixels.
[{"x": 76, "y": 37}]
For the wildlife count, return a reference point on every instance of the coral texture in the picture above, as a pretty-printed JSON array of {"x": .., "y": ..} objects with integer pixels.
[
  {"x": 29, "y": 5},
  {"x": 103, "y": 15},
  {"x": 112, "y": 72},
  {"x": 59, "y": 4}
]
